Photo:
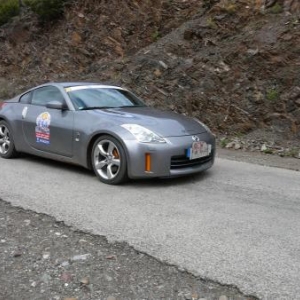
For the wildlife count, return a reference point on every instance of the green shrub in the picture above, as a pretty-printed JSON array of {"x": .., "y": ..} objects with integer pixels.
[
  {"x": 276, "y": 9},
  {"x": 47, "y": 10},
  {"x": 211, "y": 23},
  {"x": 224, "y": 142},
  {"x": 272, "y": 94},
  {"x": 230, "y": 7},
  {"x": 8, "y": 9},
  {"x": 155, "y": 35},
  {"x": 268, "y": 151},
  {"x": 293, "y": 152}
]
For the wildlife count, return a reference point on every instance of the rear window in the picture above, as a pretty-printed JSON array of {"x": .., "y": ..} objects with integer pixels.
[
  {"x": 46, "y": 94},
  {"x": 26, "y": 98}
]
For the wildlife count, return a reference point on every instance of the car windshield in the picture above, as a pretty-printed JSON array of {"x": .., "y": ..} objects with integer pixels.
[{"x": 85, "y": 98}]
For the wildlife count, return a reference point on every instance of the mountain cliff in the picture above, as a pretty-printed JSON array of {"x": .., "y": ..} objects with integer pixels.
[{"x": 233, "y": 64}]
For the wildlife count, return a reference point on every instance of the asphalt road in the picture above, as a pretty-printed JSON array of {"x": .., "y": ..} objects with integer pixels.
[{"x": 236, "y": 224}]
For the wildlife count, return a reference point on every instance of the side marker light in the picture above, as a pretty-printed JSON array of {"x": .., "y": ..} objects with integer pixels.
[{"x": 148, "y": 162}]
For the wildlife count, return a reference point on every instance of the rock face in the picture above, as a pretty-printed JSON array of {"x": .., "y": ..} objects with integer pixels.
[
  {"x": 292, "y": 6},
  {"x": 228, "y": 63}
]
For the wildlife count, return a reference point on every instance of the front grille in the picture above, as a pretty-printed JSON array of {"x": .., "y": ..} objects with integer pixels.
[{"x": 181, "y": 161}]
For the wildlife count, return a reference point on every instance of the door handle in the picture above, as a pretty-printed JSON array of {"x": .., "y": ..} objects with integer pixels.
[{"x": 24, "y": 112}]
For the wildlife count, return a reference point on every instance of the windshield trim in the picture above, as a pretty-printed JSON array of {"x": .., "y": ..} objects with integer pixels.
[{"x": 84, "y": 87}]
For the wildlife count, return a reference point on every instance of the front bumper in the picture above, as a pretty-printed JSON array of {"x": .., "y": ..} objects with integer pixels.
[{"x": 168, "y": 159}]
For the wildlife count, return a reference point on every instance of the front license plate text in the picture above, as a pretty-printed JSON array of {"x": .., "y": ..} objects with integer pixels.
[{"x": 199, "y": 149}]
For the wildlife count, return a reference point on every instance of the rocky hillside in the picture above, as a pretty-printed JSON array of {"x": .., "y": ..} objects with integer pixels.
[{"x": 233, "y": 65}]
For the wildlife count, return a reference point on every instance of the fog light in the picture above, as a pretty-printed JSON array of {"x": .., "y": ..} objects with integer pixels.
[{"x": 147, "y": 162}]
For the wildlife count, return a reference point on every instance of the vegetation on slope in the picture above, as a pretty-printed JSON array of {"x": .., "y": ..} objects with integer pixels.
[{"x": 47, "y": 10}]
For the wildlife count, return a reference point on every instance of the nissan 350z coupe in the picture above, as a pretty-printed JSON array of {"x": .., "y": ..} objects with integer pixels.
[{"x": 104, "y": 128}]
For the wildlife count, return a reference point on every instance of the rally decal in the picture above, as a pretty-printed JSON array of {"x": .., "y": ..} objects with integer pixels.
[{"x": 42, "y": 129}]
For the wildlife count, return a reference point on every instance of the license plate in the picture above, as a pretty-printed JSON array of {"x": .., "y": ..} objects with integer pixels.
[{"x": 198, "y": 150}]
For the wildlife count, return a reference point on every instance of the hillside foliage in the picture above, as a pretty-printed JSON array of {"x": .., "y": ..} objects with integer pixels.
[
  {"x": 8, "y": 9},
  {"x": 47, "y": 10}
]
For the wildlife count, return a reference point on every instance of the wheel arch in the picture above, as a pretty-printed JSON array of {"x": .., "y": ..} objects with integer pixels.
[
  {"x": 10, "y": 124},
  {"x": 92, "y": 142},
  {"x": 14, "y": 152},
  {"x": 3, "y": 119},
  {"x": 7, "y": 122}
]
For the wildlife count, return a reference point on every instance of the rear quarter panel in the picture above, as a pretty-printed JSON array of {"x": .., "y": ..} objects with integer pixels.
[{"x": 11, "y": 112}]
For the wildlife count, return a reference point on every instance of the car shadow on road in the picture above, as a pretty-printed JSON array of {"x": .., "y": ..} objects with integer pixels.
[
  {"x": 57, "y": 164},
  {"x": 177, "y": 181},
  {"x": 141, "y": 183}
]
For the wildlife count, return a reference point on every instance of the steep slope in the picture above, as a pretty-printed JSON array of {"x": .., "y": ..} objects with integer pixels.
[
  {"x": 91, "y": 32},
  {"x": 235, "y": 69},
  {"x": 228, "y": 64}
]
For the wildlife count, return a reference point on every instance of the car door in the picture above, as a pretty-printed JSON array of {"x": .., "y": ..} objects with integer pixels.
[{"x": 47, "y": 129}]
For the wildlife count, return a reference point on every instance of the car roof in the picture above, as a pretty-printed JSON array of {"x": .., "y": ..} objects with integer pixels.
[
  {"x": 70, "y": 84},
  {"x": 79, "y": 83}
]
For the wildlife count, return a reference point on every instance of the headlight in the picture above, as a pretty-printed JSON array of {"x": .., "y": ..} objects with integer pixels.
[
  {"x": 202, "y": 124},
  {"x": 143, "y": 134}
]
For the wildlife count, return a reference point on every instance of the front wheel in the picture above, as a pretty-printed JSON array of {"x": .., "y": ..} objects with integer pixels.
[
  {"x": 7, "y": 145},
  {"x": 109, "y": 160}
]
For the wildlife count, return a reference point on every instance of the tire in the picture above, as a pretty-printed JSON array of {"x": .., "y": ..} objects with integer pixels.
[
  {"x": 7, "y": 145},
  {"x": 109, "y": 160}
]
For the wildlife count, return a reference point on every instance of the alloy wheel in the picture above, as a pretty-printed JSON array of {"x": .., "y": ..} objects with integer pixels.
[
  {"x": 4, "y": 139},
  {"x": 107, "y": 159}
]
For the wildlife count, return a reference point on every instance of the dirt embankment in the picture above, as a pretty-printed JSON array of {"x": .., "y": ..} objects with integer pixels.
[{"x": 225, "y": 62}]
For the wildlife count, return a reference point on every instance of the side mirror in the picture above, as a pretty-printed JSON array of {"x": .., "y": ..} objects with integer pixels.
[{"x": 56, "y": 105}]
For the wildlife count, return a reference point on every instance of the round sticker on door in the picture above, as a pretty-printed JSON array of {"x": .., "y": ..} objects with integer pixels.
[{"x": 42, "y": 130}]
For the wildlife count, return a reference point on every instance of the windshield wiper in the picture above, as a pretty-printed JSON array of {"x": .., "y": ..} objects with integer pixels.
[
  {"x": 125, "y": 106},
  {"x": 107, "y": 107},
  {"x": 95, "y": 107}
]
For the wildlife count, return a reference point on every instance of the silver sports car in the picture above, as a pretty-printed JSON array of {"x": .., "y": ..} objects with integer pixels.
[{"x": 104, "y": 128}]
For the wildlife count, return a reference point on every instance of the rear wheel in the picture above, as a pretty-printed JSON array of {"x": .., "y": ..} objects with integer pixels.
[
  {"x": 7, "y": 145},
  {"x": 109, "y": 160}
]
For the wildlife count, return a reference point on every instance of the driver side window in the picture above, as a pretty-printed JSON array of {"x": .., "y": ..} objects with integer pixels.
[{"x": 46, "y": 94}]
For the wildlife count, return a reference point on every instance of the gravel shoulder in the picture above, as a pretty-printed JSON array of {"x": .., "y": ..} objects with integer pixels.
[
  {"x": 45, "y": 259},
  {"x": 260, "y": 159},
  {"x": 41, "y": 258}
]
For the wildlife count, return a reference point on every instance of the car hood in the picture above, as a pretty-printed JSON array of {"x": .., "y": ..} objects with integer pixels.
[{"x": 164, "y": 123}]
